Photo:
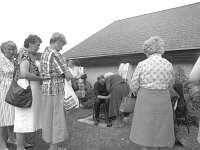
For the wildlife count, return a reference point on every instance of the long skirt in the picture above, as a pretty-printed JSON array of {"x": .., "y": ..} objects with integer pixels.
[
  {"x": 29, "y": 119},
  {"x": 152, "y": 124},
  {"x": 54, "y": 128},
  {"x": 119, "y": 91}
]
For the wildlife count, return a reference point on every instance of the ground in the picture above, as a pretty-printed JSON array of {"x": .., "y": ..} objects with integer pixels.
[{"x": 84, "y": 136}]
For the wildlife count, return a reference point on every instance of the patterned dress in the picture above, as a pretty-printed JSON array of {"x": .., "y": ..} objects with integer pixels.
[
  {"x": 28, "y": 119},
  {"x": 6, "y": 74},
  {"x": 152, "y": 124}
]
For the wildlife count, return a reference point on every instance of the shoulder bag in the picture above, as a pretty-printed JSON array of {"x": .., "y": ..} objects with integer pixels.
[
  {"x": 128, "y": 104},
  {"x": 17, "y": 96}
]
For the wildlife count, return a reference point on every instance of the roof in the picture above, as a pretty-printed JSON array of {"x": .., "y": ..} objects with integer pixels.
[{"x": 179, "y": 27}]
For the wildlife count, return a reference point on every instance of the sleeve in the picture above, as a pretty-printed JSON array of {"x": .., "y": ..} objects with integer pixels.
[
  {"x": 195, "y": 73},
  {"x": 23, "y": 55},
  {"x": 172, "y": 77},
  {"x": 108, "y": 85},
  {"x": 135, "y": 80},
  {"x": 60, "y": 64},
  {"x": 96, "y": 90}
]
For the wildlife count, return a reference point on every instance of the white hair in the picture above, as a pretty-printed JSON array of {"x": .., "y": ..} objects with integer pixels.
[
  {"x": 158, "y": 45},
  {"x": 108, "y": 74}
]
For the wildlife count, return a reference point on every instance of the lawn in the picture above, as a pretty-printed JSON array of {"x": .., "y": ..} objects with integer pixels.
[{"x": 83, "y": 136}]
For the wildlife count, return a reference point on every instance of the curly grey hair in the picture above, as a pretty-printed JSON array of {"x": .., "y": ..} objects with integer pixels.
[{"x": 154, "y": 45}]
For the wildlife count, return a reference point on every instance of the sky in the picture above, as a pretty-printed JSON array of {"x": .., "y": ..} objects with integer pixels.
[{"x": 76, "y": 19}]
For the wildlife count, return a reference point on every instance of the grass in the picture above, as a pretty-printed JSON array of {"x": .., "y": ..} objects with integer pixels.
[{"x": 89, "y": 137}]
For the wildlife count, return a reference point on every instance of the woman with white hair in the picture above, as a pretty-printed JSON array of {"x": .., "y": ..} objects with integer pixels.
[
  {"x": 118, "y": 88},
  {"x": 152, "y": 124},
  {"x": 53, "y": 66},
  {"x": 7, "y": 52}
]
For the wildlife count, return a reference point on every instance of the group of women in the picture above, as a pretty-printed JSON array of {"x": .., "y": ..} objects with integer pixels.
[
  {"x": 47, "y": 85},
  {"x": 152, "y": 125}
]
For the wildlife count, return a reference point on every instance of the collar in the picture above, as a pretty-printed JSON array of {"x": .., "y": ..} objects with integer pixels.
[{"x": 155, "y": 55}]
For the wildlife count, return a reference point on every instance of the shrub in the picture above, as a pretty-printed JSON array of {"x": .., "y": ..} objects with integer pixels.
[{"x": 191, "y": 94}]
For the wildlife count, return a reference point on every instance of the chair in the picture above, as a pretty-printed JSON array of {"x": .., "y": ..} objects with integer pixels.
[
  {"x": 183, "y": 118},
  {"x": 103, "y": 111},
  {"x": 181, "y": 109}
]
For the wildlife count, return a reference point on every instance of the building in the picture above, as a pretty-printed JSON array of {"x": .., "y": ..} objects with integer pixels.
[{"x": 121, "y": 41}]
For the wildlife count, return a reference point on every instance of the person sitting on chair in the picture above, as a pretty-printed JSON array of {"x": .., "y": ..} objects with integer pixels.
[{"x": 102, "y": 96}]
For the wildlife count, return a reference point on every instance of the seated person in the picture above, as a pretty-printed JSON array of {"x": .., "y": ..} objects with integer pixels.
[{"x": 101, "y": 96}]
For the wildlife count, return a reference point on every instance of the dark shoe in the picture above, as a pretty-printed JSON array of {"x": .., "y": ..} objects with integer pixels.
[
  {"x": 109, "y": 124},
  {"x": 14, "y": 142},
  {"x": 27, "y": 145},
  {"x": 96, "y": 122}
]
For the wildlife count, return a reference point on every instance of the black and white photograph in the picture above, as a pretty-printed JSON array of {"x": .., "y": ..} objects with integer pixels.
[{"x": 99, "y": 75}]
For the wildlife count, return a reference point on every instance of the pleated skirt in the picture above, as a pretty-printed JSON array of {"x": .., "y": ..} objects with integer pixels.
[
  {"x": 54, "y": 128},
  {"x": 152, "y": 124}
]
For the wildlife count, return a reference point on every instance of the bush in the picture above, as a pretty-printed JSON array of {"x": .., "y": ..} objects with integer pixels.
[{"x": 191, "y": 94}]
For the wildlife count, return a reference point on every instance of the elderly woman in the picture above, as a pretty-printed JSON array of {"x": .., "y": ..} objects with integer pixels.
[
  {"x": 152, "y": 124},
  {"x": 7, "y": 53},
  {"x": 28, "y": 119},
  {"x": 118, "y": 88},
  {"x": 53, "y": 66}
]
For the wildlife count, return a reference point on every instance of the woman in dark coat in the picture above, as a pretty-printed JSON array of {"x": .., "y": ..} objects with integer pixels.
[{"x": 118, "y": 89}]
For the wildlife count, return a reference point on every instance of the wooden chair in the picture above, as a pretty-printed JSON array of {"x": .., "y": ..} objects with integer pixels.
[
  {"x": 183, "y": 118},
  {"x": 103, "y": 112},
  {"x": 181, "y": 107}
]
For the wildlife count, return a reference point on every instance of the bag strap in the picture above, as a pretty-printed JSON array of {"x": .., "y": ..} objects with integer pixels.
[{"x": 15, "y": 69}]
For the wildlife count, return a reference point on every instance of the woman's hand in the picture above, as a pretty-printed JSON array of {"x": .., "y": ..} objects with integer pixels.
[{"x": 108, "y": 97}]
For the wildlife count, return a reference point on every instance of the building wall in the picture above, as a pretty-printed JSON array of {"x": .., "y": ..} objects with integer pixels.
[
  {"x": 97, "y": 66},
  {"x": 94, "y": 72}
]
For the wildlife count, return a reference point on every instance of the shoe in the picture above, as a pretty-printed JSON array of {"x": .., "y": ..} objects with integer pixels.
[
  {"x": 11, "y": 142},
  {"x": 109, "y": 124},
  {"x": 27, "y": 145},
  {"x": 96, "y": 122}
]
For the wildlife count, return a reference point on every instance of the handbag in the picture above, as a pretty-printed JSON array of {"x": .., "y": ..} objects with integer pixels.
[
  {"x": 75, "y": 86},
  {"x": 128, "y": 104},
  {"x": 70, "y": 101},
  {"x": 18, "y": 96}
]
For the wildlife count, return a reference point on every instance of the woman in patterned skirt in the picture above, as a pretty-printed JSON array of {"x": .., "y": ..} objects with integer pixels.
[
  {"x": 8, "y": 50},
  {"x": 152, "y": 124}
]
